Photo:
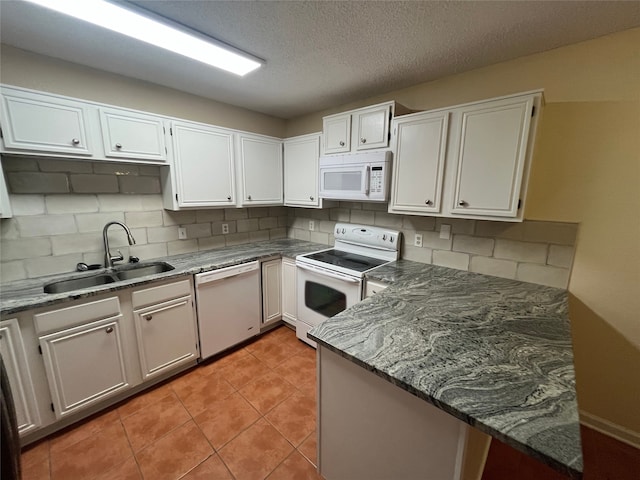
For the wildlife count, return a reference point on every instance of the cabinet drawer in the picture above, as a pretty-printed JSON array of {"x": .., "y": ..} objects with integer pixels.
[
  {"x": 76, "y": 315},
  {"x": 162, "y": 293}
]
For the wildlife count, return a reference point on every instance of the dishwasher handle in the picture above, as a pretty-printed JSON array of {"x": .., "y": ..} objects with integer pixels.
[{"x": 227, "y": 272}]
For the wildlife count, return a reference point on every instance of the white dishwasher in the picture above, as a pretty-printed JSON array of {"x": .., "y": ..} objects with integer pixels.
[{"x": 229, "y": 306}]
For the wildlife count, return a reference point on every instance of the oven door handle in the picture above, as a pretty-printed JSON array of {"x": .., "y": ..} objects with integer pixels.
[{"x": 337, "y": 276}]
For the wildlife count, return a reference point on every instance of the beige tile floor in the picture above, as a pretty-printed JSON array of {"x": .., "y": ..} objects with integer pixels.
[{"x": 248, "y": 415}]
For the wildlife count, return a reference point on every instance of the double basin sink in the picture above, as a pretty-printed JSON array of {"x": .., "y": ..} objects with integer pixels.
[{"x": 118, "y": 274}]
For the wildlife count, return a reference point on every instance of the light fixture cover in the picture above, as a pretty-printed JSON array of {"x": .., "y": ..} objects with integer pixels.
[{"x": 141, "y": 27}]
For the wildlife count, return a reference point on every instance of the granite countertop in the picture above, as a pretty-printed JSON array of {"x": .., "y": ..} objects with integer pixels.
[
  {"x": 27, "y": 294},
  {"x": 493, "y": 352}
]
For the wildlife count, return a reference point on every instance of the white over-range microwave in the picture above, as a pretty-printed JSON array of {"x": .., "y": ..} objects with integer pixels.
[{"x": 360, "y": 177}]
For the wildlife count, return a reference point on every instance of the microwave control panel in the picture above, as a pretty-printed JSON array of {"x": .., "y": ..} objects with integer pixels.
[{"x": 376, "y": 180}]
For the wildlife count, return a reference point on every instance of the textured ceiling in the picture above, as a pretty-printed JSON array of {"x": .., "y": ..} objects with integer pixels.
[{"x": 322, "y": 53}]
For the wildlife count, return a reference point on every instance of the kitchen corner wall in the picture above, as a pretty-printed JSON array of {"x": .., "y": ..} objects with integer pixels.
[
  {"x": 60, "y": 208},
  {"x": 535, "y": 252}
]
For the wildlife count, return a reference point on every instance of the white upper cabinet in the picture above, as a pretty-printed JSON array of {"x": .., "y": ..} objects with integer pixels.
[
  {"x": 203, "y": 166},
  {"x": 44, "y": 123},
  {"x": 301, "y": 171},
  {"x": 127, "y": 134},
  {"x": 362, "y": 129},
  {"x": 372, "y": 127},
  {"x": 491, "y": 153},
  {"x": 483, "y": 148},
  {"x": 420, "y": 144},
  {"x": 337, "y": 133},
  {"x": 260, "y": 170}
]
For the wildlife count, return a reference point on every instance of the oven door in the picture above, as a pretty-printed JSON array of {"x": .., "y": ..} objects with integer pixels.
[{"x": 322, "y": 293}]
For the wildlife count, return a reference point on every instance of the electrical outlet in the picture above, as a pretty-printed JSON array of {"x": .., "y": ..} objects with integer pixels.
[
  {"x": 312, "y": 225},
  {"x": 225, "y": 228},
  {"x": 445, "y": 231},
  {"x": 417, "y": 240},
  {"x": 182, "y": 233}
]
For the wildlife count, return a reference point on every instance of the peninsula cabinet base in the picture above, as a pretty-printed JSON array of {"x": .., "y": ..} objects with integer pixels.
[{"x": 370, "y": 429}]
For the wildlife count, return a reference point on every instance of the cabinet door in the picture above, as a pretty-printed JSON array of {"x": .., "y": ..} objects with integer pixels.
[
  {"x": 44, "y": 124},
  {"x": 289, "y": 292},
  {"x": 271, "y": 297},
  {"x": 84, "y": 364},
  {"x": 336, "y": 132},
  {"x": 301, "y": 171},
  {"x": 420, "y": 150},
  {"x": 15, "y": 362},
  {"x": 373, "y": 288},
  {"x": 203, "y": 166},
  {"x": 132, "y": 135},
  {"x": 372, "y": 127},
  {"x": 261, "y": 164},
  {"x": 492, "y": 148},
  {"x": 166, "y": 336}
]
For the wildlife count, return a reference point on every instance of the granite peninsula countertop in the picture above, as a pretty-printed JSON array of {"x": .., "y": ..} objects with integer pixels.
[
  {"x": 27, "y": 294},
  {"x": 495, "y": 353}
]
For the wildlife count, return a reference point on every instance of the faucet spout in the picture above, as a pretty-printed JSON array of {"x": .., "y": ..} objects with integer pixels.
[{"x": 108, "y": 258}]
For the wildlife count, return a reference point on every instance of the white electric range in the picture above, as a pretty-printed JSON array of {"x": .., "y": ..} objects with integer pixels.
[{"x": 330, "y": 281}]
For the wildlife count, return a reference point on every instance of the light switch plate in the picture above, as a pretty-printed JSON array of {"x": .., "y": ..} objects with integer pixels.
[
  {"x": 182, "y": 233},
  {"x": 445, "y": 231}
]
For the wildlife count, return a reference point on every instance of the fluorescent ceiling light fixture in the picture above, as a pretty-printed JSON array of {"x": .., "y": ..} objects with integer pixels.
[{"x": 140, "y": 27}]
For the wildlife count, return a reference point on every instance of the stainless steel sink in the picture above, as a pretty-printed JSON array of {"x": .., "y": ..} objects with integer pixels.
[
  {"x": 79, "y": 283},
  {"x": 124, "y": 272},
  {"x": 135, "y": 270}
]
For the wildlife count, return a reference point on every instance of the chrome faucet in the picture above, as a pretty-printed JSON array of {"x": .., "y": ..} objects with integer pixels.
[{"x": 108, "y": 258}]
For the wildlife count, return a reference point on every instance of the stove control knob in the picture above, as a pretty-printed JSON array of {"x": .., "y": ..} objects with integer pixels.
[
  {"x": 337, "y": 230},
  {"x": 391, "y": 238},
  {"x": 384, "y": 237},
  {"x": 343, "y": 231}
]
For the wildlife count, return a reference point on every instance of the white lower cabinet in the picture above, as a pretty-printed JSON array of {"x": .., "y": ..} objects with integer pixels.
[
  {"x": 84, "y": 354},
  {"x": 165, "y": 324},
  {"x": 289, "y": 292},
  {"x": 271, "y": 296},
  {"x": 373, "y": 288},
  {"x": 20, "y": 381}
]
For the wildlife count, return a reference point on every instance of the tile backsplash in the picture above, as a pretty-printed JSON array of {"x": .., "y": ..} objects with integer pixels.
[
  {"x": 55, "y": 226},
  {"x": 58, "y": 223},
  {"x": 531, "y": 251}
]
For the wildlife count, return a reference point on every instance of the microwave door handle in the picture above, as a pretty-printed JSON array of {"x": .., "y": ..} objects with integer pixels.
[
  {"x": 367, "y": 179},
  {"x": 337, "y": 276}
]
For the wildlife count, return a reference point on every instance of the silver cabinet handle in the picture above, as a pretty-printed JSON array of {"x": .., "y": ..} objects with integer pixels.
[
  {"x": 249, "y": 197},
  {"x": 311, "y": 197},
  {"x": 75, "y": 141},
  {"x": 229, "y": 198},
  {"x": 109, "y": 329},
  {"x": 118, "y": 145},
  {"x": 148, "y": 318},
  {"x": 428, "y": 202},
  {"x": 462, "y": 203},
  {"x": 341, "y": 143},
  {"x": 363, "y": 140}
]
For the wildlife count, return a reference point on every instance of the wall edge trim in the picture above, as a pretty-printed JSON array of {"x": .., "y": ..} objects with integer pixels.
[{"x": 611, "y": 429}]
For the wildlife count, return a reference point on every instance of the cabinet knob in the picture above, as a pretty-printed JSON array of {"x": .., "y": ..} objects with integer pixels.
[
  {"x": 249, "y": 197},
  {"x": 118, "y": 145},
  {"x": 148, "y": 318},
  {"x": 229, "y": 198},
  {"x": 75, "y": 141},
  {"x": 428, "y": 202},
  {"x": 311, "y": 197},
  {"x": 341, "y": 143},
  {"x": 462, "y": 203},
  {"x": 109, "y": 329},
  {"x": 363, "y": 140}
]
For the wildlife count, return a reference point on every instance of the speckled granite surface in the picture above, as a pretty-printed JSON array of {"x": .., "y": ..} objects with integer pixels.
[
  {"x": 27, "y": 294},
  {"x": 493, "y": 352}
]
